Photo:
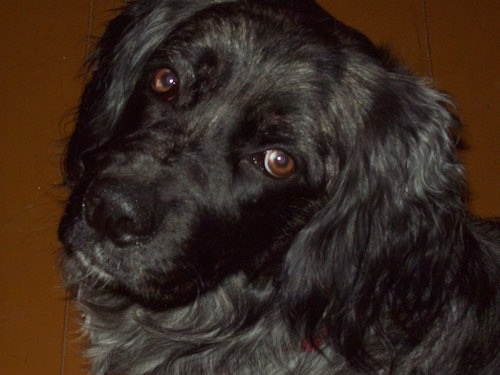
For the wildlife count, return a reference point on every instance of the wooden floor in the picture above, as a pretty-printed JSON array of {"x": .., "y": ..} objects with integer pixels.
[{"x": 43, "y": 45}]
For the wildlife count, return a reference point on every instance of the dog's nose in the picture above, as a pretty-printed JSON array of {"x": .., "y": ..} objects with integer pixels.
[{"x": 124, "y": 212}]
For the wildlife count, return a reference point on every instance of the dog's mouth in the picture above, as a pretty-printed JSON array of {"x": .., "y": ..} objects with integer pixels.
[
  {"x": 150, "y": 270},
  {"x": 93, "y": 269}
]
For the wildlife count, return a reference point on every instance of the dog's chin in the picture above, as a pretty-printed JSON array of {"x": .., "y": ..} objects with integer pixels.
[
  {"x": 91, "y": 275},
  {"x": 96, "y": 286}
]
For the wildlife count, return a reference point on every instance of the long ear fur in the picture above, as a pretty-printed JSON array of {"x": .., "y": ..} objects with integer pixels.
[{"x": 373, "y": 257}]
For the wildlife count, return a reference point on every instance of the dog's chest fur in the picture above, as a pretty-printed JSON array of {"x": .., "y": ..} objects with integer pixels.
[{"x": 217, "y": 335}]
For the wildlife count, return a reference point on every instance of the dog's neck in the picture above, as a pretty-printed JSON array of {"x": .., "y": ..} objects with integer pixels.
[{"x": 235, "y": 325}]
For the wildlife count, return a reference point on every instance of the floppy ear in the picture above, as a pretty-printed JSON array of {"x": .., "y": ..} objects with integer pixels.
[{"x": 376, "y": 252}]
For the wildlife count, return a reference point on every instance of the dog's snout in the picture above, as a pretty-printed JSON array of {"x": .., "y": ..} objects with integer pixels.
[{"x": 122, "y": 211}]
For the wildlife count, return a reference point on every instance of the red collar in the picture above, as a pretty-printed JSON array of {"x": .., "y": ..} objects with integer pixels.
[{"x": 311, "y": 346}]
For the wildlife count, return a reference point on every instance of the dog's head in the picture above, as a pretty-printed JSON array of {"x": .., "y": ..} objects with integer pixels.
[{"x": 262, "y": 137}]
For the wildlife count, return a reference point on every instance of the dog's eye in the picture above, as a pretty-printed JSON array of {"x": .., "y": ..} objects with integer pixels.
[
  {"x": 275, "y": 162},
  {"x": 166, "y": 82}
]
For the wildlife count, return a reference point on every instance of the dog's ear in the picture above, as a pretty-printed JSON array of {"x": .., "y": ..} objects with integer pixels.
[{"x": 378, "y": 248}]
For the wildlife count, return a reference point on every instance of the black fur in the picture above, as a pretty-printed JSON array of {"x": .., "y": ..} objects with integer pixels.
[{"x": 187, "y": 256}]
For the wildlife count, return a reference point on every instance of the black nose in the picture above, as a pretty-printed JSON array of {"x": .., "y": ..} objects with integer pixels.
[{"x": 122, "y": 210}]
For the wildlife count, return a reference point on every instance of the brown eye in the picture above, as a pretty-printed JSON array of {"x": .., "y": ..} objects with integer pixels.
[
  {"x": 278, "y": 163},
  {"x": 166, "y": 82}
]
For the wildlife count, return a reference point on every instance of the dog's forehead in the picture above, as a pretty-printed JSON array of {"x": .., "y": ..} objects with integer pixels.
[
  {"x": 251, "y": 38},
  {"x": 248, "y": 53},
  {"x": 246, "y": 69}
]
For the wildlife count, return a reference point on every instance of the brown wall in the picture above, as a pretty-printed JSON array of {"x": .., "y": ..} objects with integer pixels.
[{"x": 43, "y": 44}]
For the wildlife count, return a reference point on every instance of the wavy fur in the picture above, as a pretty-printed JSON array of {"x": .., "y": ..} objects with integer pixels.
[{"x": 187, "y": 257}]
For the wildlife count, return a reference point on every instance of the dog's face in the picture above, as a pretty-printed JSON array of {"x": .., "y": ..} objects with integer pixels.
[
  {"x": 213, "y": 142},
  {"x": 218, "y": 159}
]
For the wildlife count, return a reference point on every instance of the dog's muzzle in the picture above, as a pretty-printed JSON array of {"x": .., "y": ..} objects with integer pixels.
[{"x": 122, "y": 211}]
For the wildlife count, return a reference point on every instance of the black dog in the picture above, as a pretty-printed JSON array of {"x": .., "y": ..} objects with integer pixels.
[{"x": 257, "y": 189}]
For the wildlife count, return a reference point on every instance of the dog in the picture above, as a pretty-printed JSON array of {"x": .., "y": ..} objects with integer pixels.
[{"x": 256, "y": 188}]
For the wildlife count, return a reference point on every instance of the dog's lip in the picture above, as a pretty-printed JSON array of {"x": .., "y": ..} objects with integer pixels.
[
  {"x": 87, "y": 259},
  {"x": 92, "y": 268}
]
